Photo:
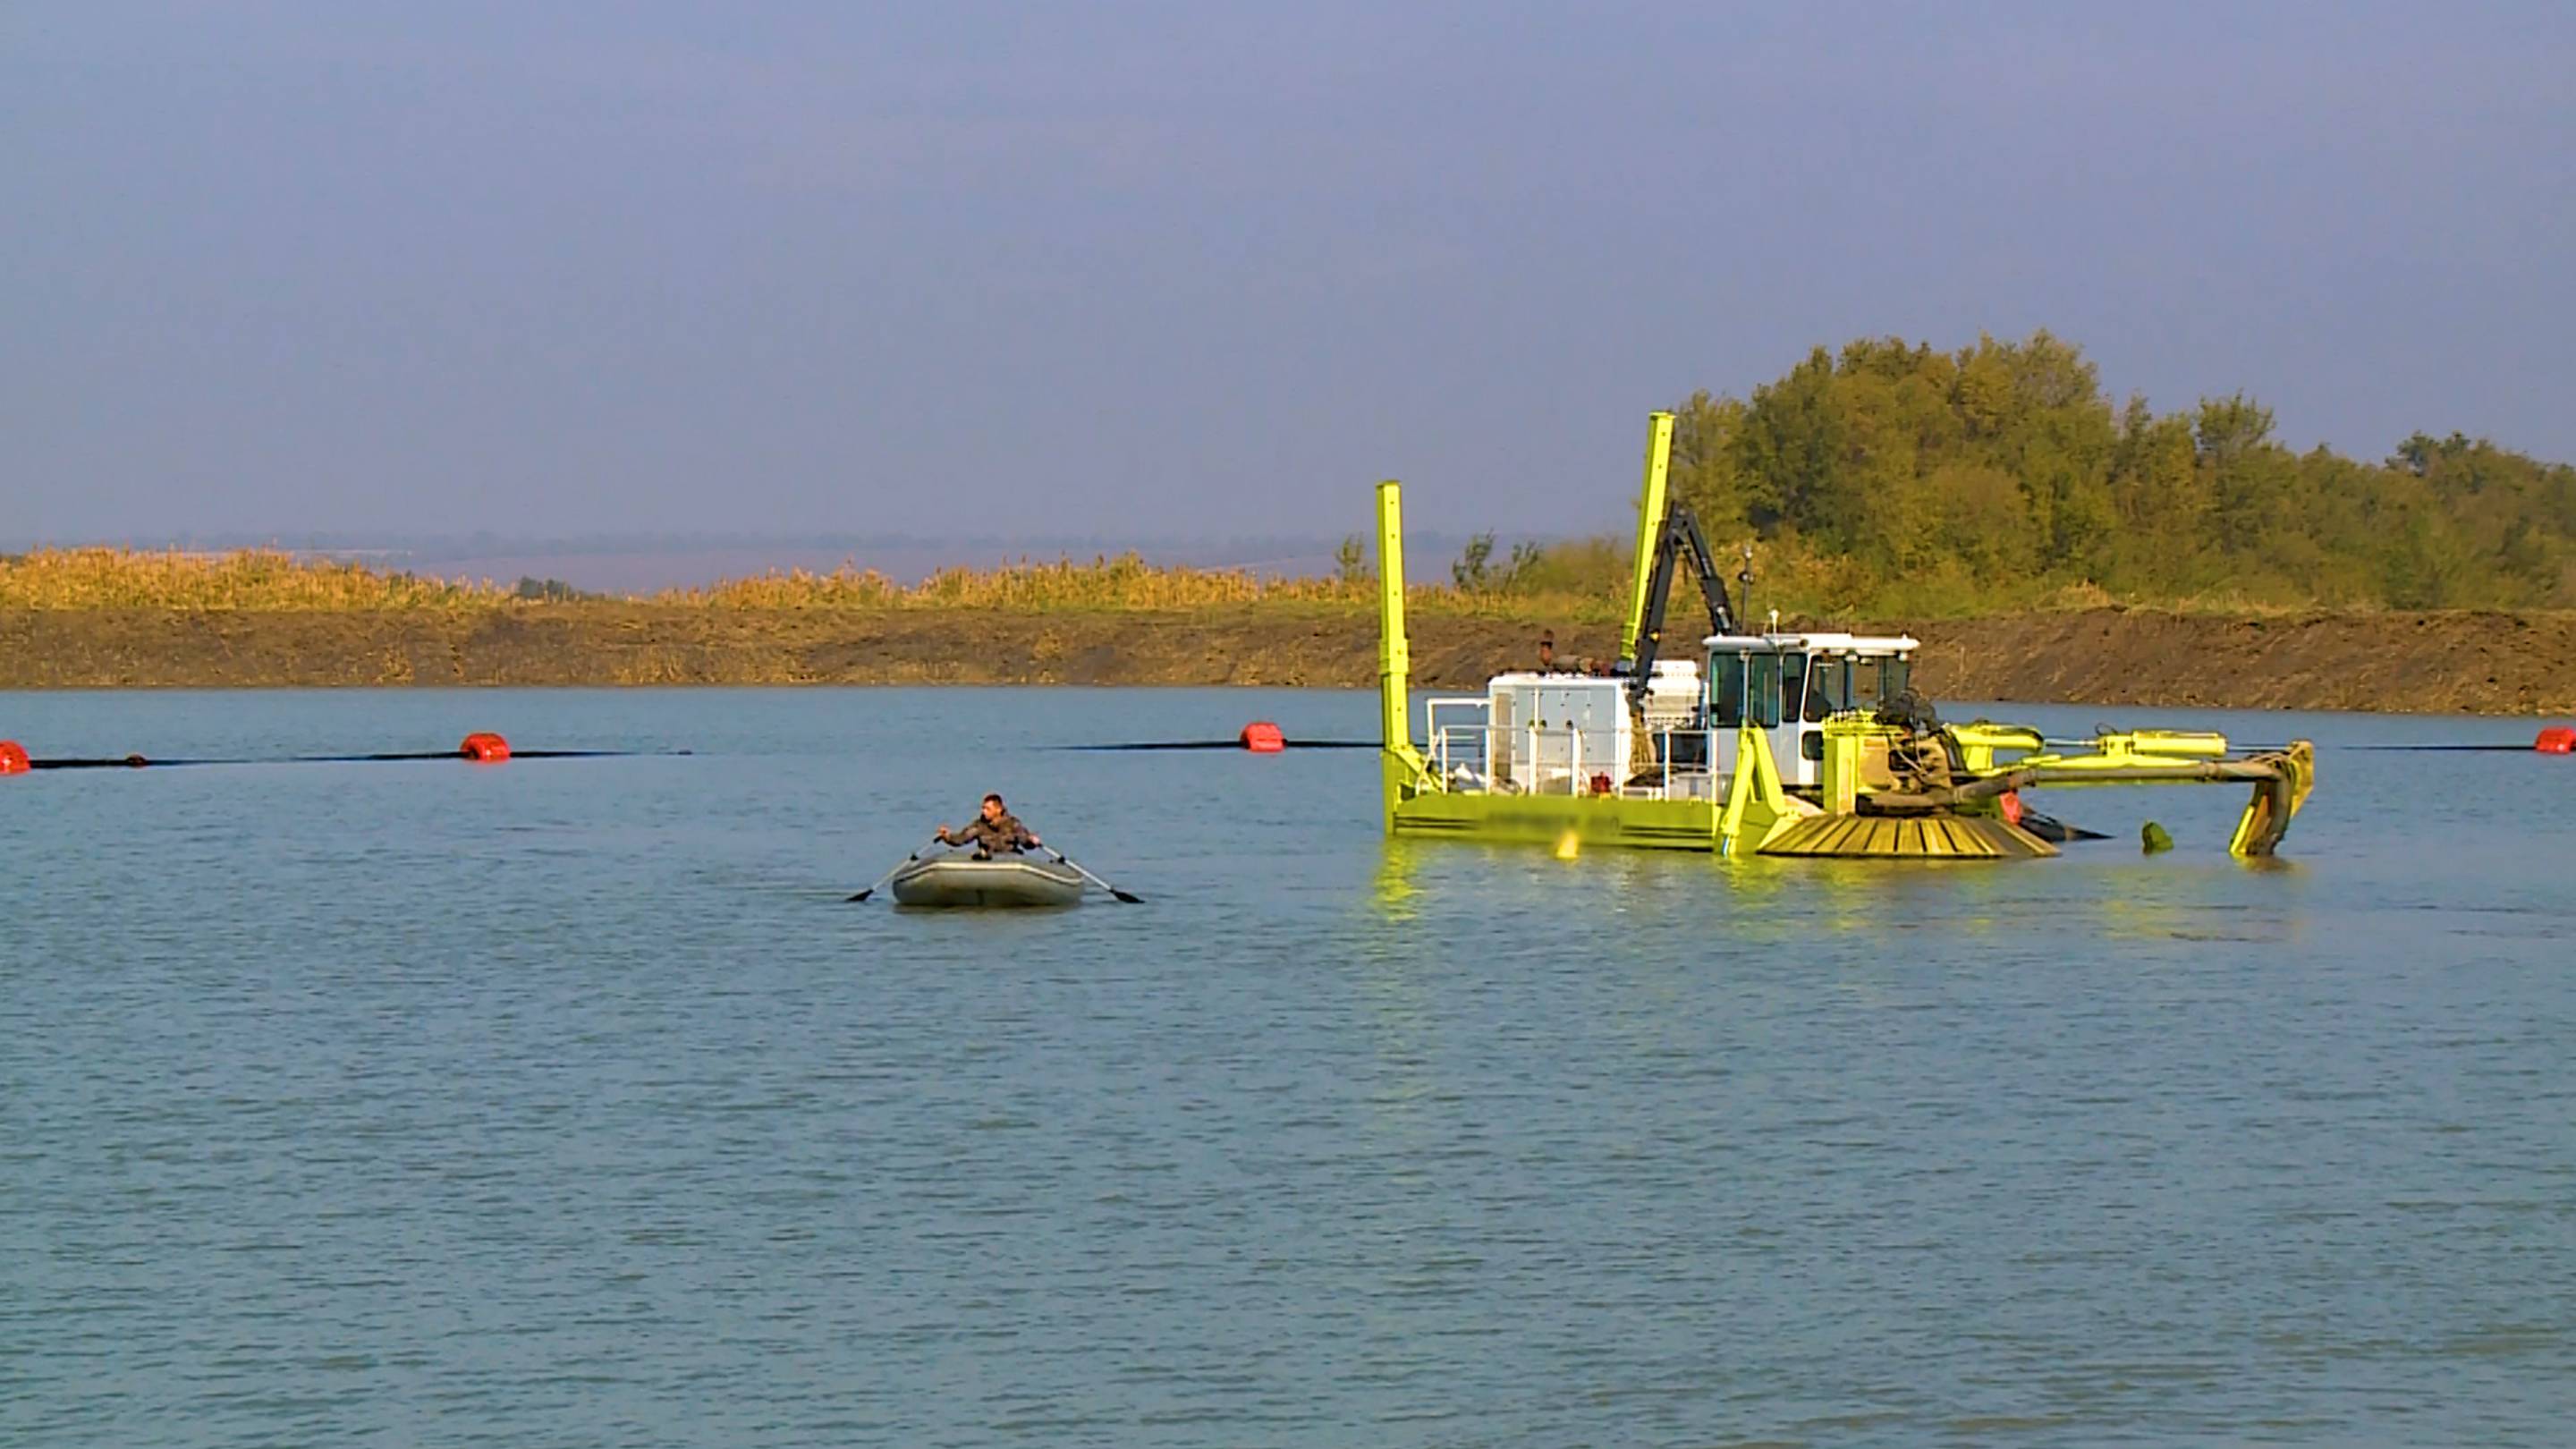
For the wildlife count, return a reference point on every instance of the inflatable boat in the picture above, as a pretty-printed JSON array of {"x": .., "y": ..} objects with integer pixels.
[{"x": 963, "y": 881}]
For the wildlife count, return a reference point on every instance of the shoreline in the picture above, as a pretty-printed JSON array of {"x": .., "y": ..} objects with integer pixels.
[{"x": 2505, "y": 664}]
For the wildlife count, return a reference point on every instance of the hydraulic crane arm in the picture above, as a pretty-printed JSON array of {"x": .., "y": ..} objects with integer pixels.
[{"x": 1679, "y": 534}]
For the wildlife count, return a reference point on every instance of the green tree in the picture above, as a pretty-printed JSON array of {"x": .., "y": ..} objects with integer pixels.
[
  {"x": 1795, "y": 440},
  {"x": 1705, "y": 471},
  {"x": 1350, "y": 561},
  {"x": 1893, "y": 470},
  {"x": 1471, "y": 572}
]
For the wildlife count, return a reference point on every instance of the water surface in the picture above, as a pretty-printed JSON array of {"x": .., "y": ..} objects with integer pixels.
[{"x": 567, "y": 1103}]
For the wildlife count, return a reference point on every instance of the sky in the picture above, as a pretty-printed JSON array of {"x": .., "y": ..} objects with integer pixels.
[{"x": 1201, "y": 269}]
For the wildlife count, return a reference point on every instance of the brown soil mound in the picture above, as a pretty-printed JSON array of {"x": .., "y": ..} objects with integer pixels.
[
  {"x": 2471, "y": 663},
  {"x": 2492, "y": 663}
]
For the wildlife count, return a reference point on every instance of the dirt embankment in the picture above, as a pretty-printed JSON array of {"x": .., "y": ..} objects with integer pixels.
[{"x": 2493, "y": 663}]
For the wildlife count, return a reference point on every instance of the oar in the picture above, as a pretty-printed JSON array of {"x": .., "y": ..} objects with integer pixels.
[
  {"x": 1126, "y": 897},
  {"x": 889, "y": 875}
]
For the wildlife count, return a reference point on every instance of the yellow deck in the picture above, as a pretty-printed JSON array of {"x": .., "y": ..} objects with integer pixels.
[
  {"x": 1549, "y": 819},
  {"x": 1899, "y": 837},
  {"x": 1696, "y": 825}
]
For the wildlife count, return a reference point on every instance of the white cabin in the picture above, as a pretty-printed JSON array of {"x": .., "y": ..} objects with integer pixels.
[{"x": 1789, "y": 683}]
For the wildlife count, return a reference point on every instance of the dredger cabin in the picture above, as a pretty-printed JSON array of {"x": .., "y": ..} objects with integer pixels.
[{"x": 1794, "y": 743}]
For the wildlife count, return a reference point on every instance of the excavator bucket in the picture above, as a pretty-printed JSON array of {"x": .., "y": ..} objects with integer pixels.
[
  {"x": 2276, "y": 800},
  {"x": 2281, "y": 778}
]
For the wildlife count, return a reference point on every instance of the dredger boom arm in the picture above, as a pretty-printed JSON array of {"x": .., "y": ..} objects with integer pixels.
[
  {"x": 1665, "y": 531},
  {"x": 2281, "y": 778}
]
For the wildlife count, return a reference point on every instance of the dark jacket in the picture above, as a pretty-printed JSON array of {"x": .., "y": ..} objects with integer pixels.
[{"x": 1003, "y": 836}]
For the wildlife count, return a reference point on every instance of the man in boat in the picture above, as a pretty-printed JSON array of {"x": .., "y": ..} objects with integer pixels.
[{"x": 994, "y": 831}]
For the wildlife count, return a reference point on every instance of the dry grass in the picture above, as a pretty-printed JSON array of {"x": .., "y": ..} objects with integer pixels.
[
  {"x": 250, "y": 580},
  {"x": 1116, "y": 585},
  {"x": 1802, "y": 586},
  {"x": 1104, "y": 584},
  {"x": 268, "y": 581}
]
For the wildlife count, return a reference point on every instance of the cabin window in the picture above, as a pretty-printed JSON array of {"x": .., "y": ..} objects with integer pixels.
[
  {"x": 1824, "y": 690},
  {"x": 1762, "y": 689},
  {"x": 1728, "y": 693},
  {"x": 1868, "y": 682},
  {"x": 1899, "y": 677},
  {"x": 1793, "y": 686}
]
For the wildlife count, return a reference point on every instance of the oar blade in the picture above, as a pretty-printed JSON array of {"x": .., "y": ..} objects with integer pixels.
[
  {"x": 890, "y": 875},
  {"x": 1124, "y": 898}
]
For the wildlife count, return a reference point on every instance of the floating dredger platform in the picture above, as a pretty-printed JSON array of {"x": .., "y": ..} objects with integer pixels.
[{"x": 1789, "y": 744}]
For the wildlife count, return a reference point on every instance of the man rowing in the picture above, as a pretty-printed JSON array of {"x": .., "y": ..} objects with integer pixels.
[{"x": 993, "y": 831}]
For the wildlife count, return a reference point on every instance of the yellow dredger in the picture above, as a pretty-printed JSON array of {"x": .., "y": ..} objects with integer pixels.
[{"x": 1791, "y": 744}]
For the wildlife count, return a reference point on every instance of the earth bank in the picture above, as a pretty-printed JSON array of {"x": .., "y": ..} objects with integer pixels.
[{"x": 2494, "y": 663}]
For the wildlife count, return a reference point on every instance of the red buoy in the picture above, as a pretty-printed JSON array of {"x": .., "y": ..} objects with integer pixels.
[
  {"x": 485, "y": 748},
  {"x": 13, "y": 758},
  {"x": 2556, "y": 740},
  {"x": 1263, "y": 738},
  {"x": 2009, "y": 802}
]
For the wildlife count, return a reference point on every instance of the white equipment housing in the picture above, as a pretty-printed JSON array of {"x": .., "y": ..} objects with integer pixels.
[
  {"x": 1553, "y": 733},
  {"x": 1533, "y": 733},
  {"x": 1673, "y": 698},
  {"x": 1573, "y": 734}
]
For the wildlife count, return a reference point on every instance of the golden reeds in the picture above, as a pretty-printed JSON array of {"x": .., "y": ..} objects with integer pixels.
[
  {"x": 250, "y": 580},
  {"x": 267, "y": 580},
  {"x": 1126, "y": 582},
  {"x": 1583, "y": 586}
]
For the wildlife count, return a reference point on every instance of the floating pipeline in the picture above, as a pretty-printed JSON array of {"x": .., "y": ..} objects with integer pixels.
[
  {"x": 482, "y": 747},
  {"x": 2552, "y": 740},
  {"x": 1260, "y": 737}
]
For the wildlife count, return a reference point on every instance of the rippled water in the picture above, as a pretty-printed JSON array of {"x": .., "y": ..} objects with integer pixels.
[{"x": 566, "y": 1102}]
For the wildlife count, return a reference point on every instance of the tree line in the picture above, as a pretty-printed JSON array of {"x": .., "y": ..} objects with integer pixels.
[{"x": 1897, "y": 475}]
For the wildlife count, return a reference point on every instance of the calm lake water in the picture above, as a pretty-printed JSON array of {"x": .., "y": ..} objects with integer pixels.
[{"x": 566, "y": 1102}]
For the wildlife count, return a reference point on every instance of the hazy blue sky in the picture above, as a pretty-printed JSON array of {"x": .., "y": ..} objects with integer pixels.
[{"x": 1195, "y": 268}]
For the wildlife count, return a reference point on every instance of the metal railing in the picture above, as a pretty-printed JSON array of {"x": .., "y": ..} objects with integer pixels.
[
  {"x": 1463, "y": 757},
  {"x": 1531, "y": 763}
]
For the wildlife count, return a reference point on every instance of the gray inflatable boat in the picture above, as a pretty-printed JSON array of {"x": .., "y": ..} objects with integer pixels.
[{"x": 962, "y": 881}]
